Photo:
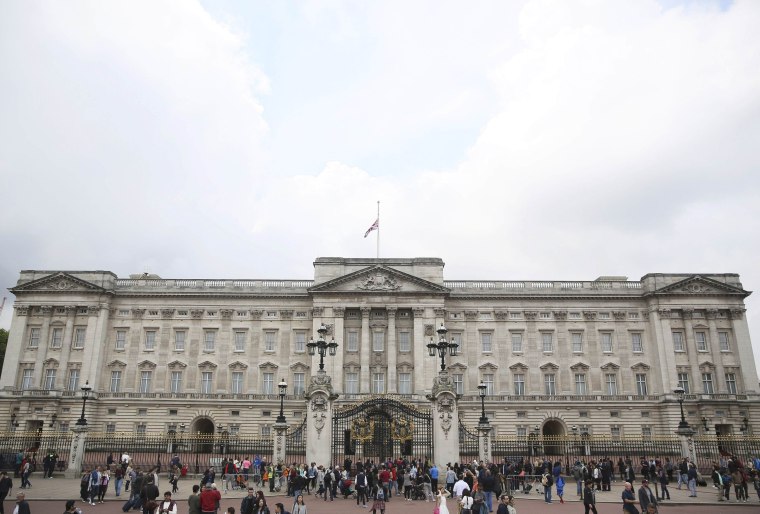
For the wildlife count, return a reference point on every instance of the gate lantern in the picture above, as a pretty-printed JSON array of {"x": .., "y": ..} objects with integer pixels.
[
  {"x": 322, "y": 346},
  {"x": 442, "y": 347}
]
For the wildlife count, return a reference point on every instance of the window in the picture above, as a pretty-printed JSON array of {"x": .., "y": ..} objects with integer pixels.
[
  {"x": 701, "y": 338},
  {"x": 73, "y": 382},
  {"x": 378, "y": 383},
  {"x": 604, "y": 315},
  {"x": 459, "y": 383},
  {"x": 723, "y": 340},
  {"x": 636, "y": 345},
  {"x": 646, "y": 431},
  {"x": 150, "y": 339},
  {"x": 266, "y": 431},
  {"x": 352, "y": 383},
  {"x": 488, "y": 381},
  {"x": 34, "y": 338},
  {"x": 615, "y": 432},
  {"x": 26, "y": 378},
  {"x": 111, "y": 428},
  {"x": 352, "y": 344},
  {"x": 269, "y": 341},
  {"x": 299, "y": 383},
  {"x": 206, "y": 382},
  {"x": 267, "y": 386},
  {"x": 240, "y": 341},
  {"x": 234, "y": 429},
  {"x": 731, "y": 383},
  {"x": 641, "y": 384},
  {"x": 517, "y": 342},
  {"x": 580, "y": 383},
  {"x": 522, "y": 432},
  {"x": 145, "y": 379},
  {"x": 237, "y": 382},
  {"x": 606, "y": 342},
  {"x": 707, "y": 383},
  {"x": 610, "y": 381},
  {"x": 550, "y": 386},
  {"x": 404, "y": 344},
  {"x": 209, "y": 340},
  {"x": 300, "y": 341},
  {"x": 683, "y": 382},
  {"x": 485, "y": 342},
  {"x": 546, "y": 339},
  {"x": 574, "y": 315},
  {"x": 141, "y": 429},
  {"x": 577, "y": 338},
  {"x": 79, "y": 334},
  {"x": 57, "y": 338},
  {"x": 519, "y": 382},
  {"x": 49, "y": 379},
  {"x": 678, "y": 341},
  {"x": 515, "y": 315},
  {"x": 176, "y": 382},
  {"x": 545, "y": 315},
  {"x": 378, "y": 341},
  {"x": 179, "y": 340},
  {"x": 115, "y": 381},
  {"x": 405, "y": 383},
  {"x": 121, "y": 339},
  {"x": 63, "y": 426}
]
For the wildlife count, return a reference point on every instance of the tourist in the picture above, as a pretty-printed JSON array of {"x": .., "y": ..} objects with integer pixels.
[
  {"x": 300, "y": 506},
  {"x": 378, "y": 493},
  {"x": 443, "y": 508},
  {"x": 646, "y": 496},
  {"x": 6, "y": 484},
  {"x": 22, "y": 506},
  {"x": 629, "y": 499},
  {"x": 589, "y": 497},
  {"x": 194, "y": 501},
  {"x": 167, "y": 506}
]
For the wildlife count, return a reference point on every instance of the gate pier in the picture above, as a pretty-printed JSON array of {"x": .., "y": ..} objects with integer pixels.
[
  {"x": 446, "y": 420},
  {"x": 319, "y": 415}
]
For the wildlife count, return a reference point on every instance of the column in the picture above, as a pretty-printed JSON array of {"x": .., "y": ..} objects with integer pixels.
[
  {"x": 484, "y": 441},
  {"x": 420, "y": 350},
  {"x": 68, "y": 343},
  {"x": 47, "y": 312},
  {"x": 278, "y": 443},
  {"x": 663, "y": 341},
  {"x": 364, "y": 350},
  {"x": 392, "y": 350},
  {"x": 472, "y": 350},
  {"x": 691, "y": 351},
  {"x": 319, "y": 412},
  {"x": 445, "y": 420},
  {"x": 76, "y": 454},
  {"x": 97, "y": 324},
  {"x": 717, "y": 358},
  {"x": 16, "y": 345},
  {"x": 338, "y": 332},
  {"x": 743, "y": 346}
]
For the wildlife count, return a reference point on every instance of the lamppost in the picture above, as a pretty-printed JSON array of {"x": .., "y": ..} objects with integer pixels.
[
  {"x": 442, "y": 347},
  {"x": 14, "y": 422},
  {"x": 283, "y": 386},
  {"x": 574, "y": 430},
  {"x": 745, "y": 426},
  {"x": 705, "y": 424},
  {"x": 82, "y": 422},
  {"x": 322, "y": 346},
  {"x": 534, "y": 440},
  {"x": 482, "y": 390},
  {"x": 683, "y": 426}
]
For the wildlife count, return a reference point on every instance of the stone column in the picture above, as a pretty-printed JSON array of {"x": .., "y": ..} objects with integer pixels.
[
  {"x": 715, "y": 354},
  {"x": 743, "y": 345},
  {"x": 420, "y": 349},
  {"x": 16, "y": 346},
  {"x": 76, "y": 453},
  {"x": 278, "y": 444},
  {"x": 320, "y": 397},
  {"x": 445, "y": 420},
  {"x": 484, "y": 441},
  {"x": 47, "y": 312},
  {"x": 392, "y": 350},
  {"x": 365, "y": 345},
  {"x": 687, "y": 444}
]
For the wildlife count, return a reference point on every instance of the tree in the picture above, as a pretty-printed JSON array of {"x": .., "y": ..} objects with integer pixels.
[{"x": 3, "y": 344}]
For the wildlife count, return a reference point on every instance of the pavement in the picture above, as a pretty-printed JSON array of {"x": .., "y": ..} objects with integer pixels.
[{"x": 61, "y": 489}]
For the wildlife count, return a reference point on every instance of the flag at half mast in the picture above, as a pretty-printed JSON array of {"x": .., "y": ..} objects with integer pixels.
[{"x": 375, "y": 226}]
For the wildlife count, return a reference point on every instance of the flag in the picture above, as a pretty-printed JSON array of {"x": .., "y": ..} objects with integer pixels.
[{"x": 375, "y": 226}]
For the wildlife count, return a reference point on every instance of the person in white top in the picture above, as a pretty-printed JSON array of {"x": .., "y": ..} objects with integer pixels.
[
  {"x": 167, "y": 506},
  {"x": 441, "y": 498},
  {"x": 460, "y": 487}
]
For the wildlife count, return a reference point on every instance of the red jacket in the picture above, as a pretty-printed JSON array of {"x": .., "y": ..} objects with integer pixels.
[{"x": 209, "y": 498}]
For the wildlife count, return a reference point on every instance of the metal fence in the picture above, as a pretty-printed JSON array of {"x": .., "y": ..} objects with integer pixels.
[
  {"x": 196, "y": 452},
  {"x": 295, "y": 442},
  {"x": 469, "y": 446},
  {"x": 34, "y": 445}
]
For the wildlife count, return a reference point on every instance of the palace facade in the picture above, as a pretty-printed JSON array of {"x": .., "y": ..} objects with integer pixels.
[{"x": 601, "y": 356}]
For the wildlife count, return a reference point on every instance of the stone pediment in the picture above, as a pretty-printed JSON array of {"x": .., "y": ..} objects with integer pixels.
[
  {"x": 60, "y": 282},
  {"x": 699, "y": 285},
  {"x": 379, "y": 279}
]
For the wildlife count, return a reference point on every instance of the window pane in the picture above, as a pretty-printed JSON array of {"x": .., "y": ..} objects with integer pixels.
[
  {"x": 580, "y": 383},
  {"x": 57, "y": 338},
  {"x": 206, "y": 381},
  {"x": 611, "y": 381},
  {"x": 268, "y": 383},
  {"x": 269, "y": 341},
  {"x": 546, "y": 338},
  {"x": 485, "y": 341},
  {"x": 488, "y": 381},
  {"x": 298, "y": 383},
  {"x": 577, "y": 342},
  {"x": 707, "y": 384},
  {"x": 179, "y": 340},
  {"x": 701, "y": 338},
  {"x": 176, "y": 384},
  {"x": 683, "y": 382},
  {"x": 459, "y": 383},
  {"x": 404, "y": 344},
  {"x": 723, "y": 339},
  {"x": 731, "y": 383},
  {"x": 73, "y": 384},
  {"x": 352, "y": 383},
  {"x": 353, "y": 341},
  {"x": 79, "y": 335},
  {"x": 636, "y": 345},
  {"x": 549, "y": 384},
  {"x": 49, "y": 379},
  {"x": 240, "y": 341},
  {"x": 237, "y": 382},
  {"x": 641, "y": 384},
  {"x": 378, "y": 383},
  {"x": 678, "y": 341},
  {"x": 121, "y": 339},
  {"x": 300, "y": 341},
  {"x": 519, "y": 384},
  {"x": 517, "y": 342},
  {"x": 405, "y": 383},
  {"x": 145, "y": 378},
  {"x": 150, "y": 339},
  {"x": 34, "y": 337},
  {"x": 378, "y": 341},
  {"x": 209, "y": 340},
  {"x": 26, "y": 379},
  {"x": 606, "y": 341},
  {"x": 115, "y": 381}
]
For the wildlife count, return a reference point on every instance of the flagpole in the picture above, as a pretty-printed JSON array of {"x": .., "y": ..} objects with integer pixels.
[{"x": 378, "y": 229}]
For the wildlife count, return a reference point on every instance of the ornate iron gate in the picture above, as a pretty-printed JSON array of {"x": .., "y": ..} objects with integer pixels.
[{"x": 380, "y": 429}]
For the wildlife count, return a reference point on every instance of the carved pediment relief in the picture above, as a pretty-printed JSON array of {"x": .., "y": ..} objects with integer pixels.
[
  {"x": 269, "y": 365},
  {"x": 707, "y": 365},
  {"x": 60, "y": 282},
  {"x": 488, "y": 366},
  {"x": 549, "y": 366},
  {"x": 146, "y": 364},
  {"x": 117, "y": 364},
  {"x": 381, "y": 279},
  {"x": 299, "y": 367},
  {"x": 207, "y": 365},
  {"x": 458, "y": 367},
  {"x": 50, "y": 363},
  {"x": 176, "y": 364},
  {"x": 699, "y": 285},
  {"x": 610, "y": 366},
  {"x": 640, "y": 366},
  {"x": 518, "y": 366},
  {"x": 407, "y": 364},
  {"x": 237, "y": 365},
  {"x": 579, "y": 366}
]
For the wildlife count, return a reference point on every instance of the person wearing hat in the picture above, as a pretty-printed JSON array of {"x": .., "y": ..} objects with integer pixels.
[{"x": 22, "y": 506}]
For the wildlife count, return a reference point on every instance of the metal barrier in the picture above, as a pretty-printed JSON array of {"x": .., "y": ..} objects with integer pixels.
[{"x": 34, "y": 445}]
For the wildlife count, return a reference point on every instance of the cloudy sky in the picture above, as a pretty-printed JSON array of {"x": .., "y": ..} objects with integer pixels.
[{"x": 516, "y": 140}]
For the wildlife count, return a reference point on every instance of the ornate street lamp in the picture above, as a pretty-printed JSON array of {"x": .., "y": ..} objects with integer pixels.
[
  {"x": 14, "y": 422},
  {"x": 482, "y": 390},
  {"x": 442, "y": 347},
  {"x": 705, "y": 425},
  {"x": 82, "y": 422},
  {"x": 680, "y": 393},
  {"x": 283, "y": 386},
  {"x": 322, "y": 346},
  {"x": 745, "y": 426}
]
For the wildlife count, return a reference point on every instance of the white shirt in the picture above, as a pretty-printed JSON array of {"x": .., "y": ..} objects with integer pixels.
[
  {"x": 460, "y": 487},
  {"x": 164, "y": 506}
]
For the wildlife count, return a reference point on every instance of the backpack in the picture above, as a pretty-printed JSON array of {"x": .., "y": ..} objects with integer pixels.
[
  {"x": 380, "y": 494},
  {"x": 549, "y": 481}
]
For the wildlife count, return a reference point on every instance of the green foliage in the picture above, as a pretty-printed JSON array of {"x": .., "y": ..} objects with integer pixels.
[{"x": 3, "y": 344}]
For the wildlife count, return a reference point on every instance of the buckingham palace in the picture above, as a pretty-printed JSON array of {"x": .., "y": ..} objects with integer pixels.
[{"x": 600, "y": 356}]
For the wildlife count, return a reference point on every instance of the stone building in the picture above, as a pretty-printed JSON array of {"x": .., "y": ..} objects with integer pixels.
[{"x": 602, "y": 356}]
